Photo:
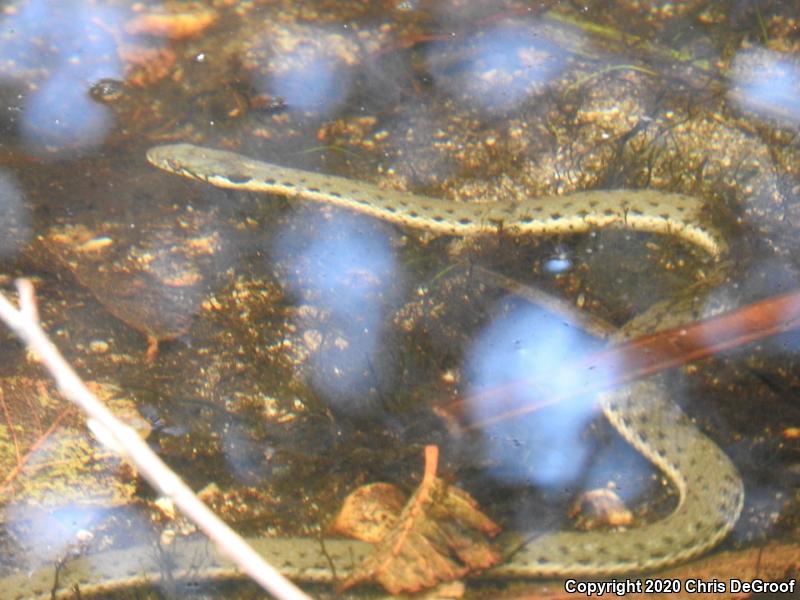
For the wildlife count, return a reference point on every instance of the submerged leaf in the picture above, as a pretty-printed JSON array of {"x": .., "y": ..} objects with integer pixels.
[{"x": 440, "y": 535}]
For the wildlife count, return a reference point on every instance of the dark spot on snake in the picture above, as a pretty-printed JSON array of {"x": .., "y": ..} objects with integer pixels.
[
  {"x": 555, "y": 216},
  {"x": 664, "y": 216},
  {"x": 609, "y": 212},
  {"x": 465, "y": 221},
  {"x": 239, "y": 179},
  {"x": 313, "y": 190},
  {"x": 542, "y": 560},
  {"x": 437, "y": 218},
  {"x": 390, "y": 209},
  {"x": 288, "y": 184},
  {"x": 362, "y": 202},
  {"x": 334, "y": 194},
  {"x": 636, "y": 211},
  {"x": 526, "y": 220},
  {"x": 413, "y": 214}
]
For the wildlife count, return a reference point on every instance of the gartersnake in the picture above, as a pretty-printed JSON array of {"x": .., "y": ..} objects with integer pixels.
[{"x": 710, "y": 489}]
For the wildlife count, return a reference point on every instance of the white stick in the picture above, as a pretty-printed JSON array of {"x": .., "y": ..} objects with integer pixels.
[{"x": 25, "y": 323}]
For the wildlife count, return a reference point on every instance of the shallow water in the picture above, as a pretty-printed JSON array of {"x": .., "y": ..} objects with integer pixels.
[{"x": 302, "y": 348}]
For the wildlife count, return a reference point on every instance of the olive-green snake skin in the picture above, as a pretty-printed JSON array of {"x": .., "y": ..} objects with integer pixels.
[{"x": 710, "y": 490}]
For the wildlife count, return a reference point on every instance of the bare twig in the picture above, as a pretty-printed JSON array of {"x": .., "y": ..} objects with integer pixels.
[{"x": 25, "y": 324}]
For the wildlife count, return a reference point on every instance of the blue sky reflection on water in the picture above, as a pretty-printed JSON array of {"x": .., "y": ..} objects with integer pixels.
[
  {"x": 52, "y": 532},
  {"x": 307, "y": 75},
  {"x": 766, "y": 83},
  {"x": 59, "y": 531},
  {"x": 529, "y": 343},
  {"x": 506, "y": 65},
  {"x": 347, "y": 268},
  {"x": 63, "y": 47}
]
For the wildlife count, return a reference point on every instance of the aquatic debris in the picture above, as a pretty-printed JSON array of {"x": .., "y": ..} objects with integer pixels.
[{"x": 440, "y": 535}]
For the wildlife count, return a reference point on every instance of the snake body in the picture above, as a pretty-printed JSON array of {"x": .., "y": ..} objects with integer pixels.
[
  {"x": 710, "y": 490},
  {"x": 639, "y": 210}
]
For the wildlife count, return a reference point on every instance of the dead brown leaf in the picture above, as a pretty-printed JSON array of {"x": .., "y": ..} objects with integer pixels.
[
  {"x": 370, "y": 512},
  {"x": 440, "y": 535}
]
